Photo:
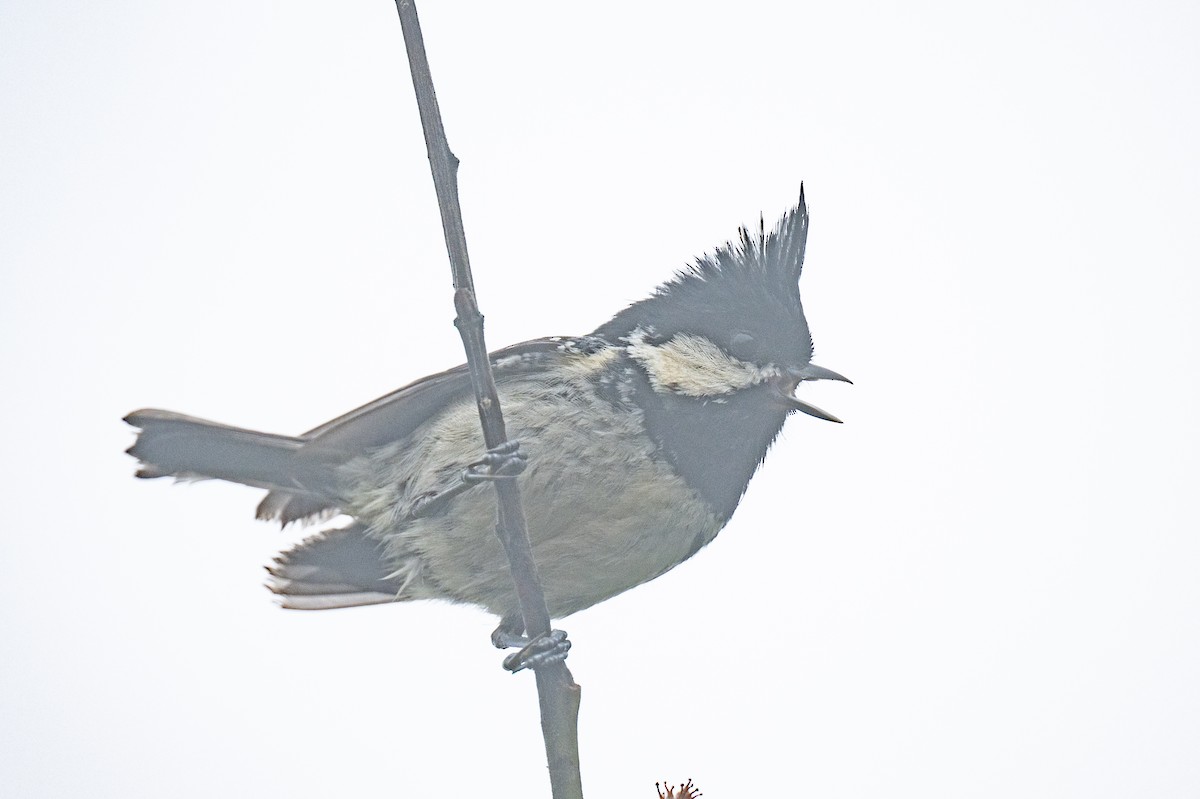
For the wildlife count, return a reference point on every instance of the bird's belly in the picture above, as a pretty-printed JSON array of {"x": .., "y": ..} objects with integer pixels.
[
  {"x": 594, "y": 535},
  {"x": 605, "y": 512}
]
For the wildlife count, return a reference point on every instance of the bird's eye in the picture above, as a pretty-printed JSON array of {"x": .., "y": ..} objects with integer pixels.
[{"x": 741, "y": 345}]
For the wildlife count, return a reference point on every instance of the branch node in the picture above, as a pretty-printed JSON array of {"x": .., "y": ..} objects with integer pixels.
[{"x": 557, "y": 693}]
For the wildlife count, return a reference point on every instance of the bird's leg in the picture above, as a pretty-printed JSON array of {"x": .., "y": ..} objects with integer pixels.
[
  {"x": 510, "y": 633},
  {"x": 541, "y": 651},
  {"x": 504, "y": 463},
  {"x": 499, "y": 463}
]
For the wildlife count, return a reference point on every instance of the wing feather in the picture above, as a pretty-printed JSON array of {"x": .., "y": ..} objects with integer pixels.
[{"x": 397, "y": 415}]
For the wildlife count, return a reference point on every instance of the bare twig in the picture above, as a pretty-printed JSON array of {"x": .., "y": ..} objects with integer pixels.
[{"x": 557, "y": 692}]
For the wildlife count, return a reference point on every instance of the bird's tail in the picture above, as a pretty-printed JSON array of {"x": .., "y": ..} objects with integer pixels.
[
  {"x": 186, "y": 448},
  {"x": 336, "y": 568},
  {"x": 342, "y": 568}
]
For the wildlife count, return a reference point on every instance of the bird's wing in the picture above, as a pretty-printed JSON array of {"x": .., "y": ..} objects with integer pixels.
[{"x": 397, "y": 415}]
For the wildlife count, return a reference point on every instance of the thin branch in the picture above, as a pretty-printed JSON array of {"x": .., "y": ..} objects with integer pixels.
[{"x": 558, "y": 694}]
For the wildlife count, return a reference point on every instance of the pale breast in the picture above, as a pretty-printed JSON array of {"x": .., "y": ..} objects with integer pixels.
[{"x": 605, "y": 511}]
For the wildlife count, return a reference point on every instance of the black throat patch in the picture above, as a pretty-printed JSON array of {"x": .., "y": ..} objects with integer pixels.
[{"x": 715, "y": 445}]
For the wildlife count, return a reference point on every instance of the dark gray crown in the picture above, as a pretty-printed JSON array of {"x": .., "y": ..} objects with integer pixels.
[{"x": 745, "y": 297}]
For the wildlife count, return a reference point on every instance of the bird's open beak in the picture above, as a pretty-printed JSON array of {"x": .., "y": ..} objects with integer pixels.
[
  {"x": 797, "y": 375},
  {"x": 814, "y": 372}
]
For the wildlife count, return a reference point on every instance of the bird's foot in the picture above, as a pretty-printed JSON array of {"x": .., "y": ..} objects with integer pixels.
[
  {"x": 541, "y": 651},
  {"x": 499, "y": 463}
]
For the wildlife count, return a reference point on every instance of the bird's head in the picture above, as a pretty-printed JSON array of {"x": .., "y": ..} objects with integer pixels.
[{"x": 731, "y": 322}]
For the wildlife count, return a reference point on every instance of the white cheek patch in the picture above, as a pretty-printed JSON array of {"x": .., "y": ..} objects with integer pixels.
[
  {"x": 695, "y": 366},
  {"x": 583, "y": 366}
]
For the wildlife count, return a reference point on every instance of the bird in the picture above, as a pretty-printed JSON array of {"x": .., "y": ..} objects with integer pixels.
[{"x": 640, "y": 437}]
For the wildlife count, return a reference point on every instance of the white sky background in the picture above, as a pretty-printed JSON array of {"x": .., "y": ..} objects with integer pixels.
[{"x": 984, "y": 584}]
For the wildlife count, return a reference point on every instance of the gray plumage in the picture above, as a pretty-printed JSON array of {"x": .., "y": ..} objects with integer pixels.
[{"x": 641, "y": 439}]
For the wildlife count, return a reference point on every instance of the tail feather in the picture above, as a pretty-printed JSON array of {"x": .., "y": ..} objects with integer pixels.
[
  {"x": 292, "y": 506},
  {"x": 173, "y": 445},
  {"x": 338, "y": 568}
]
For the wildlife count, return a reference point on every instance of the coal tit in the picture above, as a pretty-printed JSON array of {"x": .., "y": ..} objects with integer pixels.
[{"x": 641, "y": 439}]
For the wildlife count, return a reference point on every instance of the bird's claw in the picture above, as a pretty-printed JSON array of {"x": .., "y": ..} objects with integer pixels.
[
  {"x": 499, "y": 463},
  {"x": 541, "y": 651}
]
